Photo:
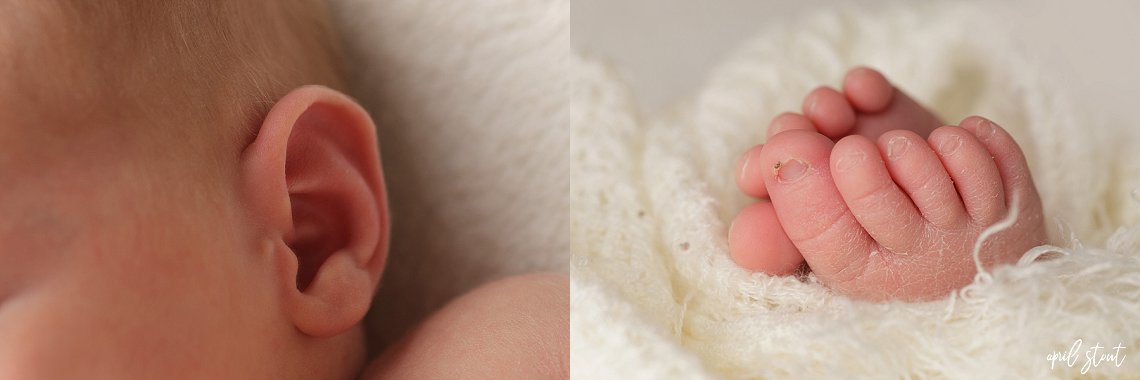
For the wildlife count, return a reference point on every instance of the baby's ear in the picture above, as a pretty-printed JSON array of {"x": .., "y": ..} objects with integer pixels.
[{"x": 312, "y": 180}]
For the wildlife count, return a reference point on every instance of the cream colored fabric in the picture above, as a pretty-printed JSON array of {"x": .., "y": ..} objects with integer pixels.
[{"x": 655, "y": 295}]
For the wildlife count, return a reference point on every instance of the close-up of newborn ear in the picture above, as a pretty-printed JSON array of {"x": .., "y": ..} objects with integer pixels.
[{"x": 313, "y": 183}]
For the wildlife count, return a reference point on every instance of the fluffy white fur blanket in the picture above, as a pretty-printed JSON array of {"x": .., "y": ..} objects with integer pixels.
[
  {"x": 654, "y": 294},
  {"x": 469, "y": 98}
]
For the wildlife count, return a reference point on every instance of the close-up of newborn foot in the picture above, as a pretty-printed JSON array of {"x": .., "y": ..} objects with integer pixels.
[
  {"x": 868, "y": 106},
  {"x": 887, "y": 215},
  {"x": 898, "y": 218}
]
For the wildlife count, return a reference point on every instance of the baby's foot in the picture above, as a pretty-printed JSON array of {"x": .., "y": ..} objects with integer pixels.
[
  {"x": 898, "y": 219},
  {"x": 868, "y": 106}
]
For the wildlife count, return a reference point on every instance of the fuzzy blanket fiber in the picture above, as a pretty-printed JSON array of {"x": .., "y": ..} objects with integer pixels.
[{"x": 654, "y": 294}]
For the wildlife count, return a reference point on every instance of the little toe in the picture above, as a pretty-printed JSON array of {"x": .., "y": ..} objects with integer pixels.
[
  {"x": 748, "y": 173},
  {"x": 757, "y": 242},
  {"x": 873, "y": 197},
  {"x": 1010, "y": 162},
  {"x": 919, "y": 173},
  {"x": 810, "y": 208},
  {"x": 830, "y": 112},
  {"x": 974, "y": 172},
  {"x": 788, "y": 121},
  {"x": 867, "y": 90}
]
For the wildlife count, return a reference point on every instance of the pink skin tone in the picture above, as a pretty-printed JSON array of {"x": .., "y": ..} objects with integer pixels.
[
  {"x": 879, "y": 199},
  {"x": 151, "y": 228},
  {"x": 122, "y": 260},
  {"x": 122, "y": 263},
  {"x": 515, "y": 328}
]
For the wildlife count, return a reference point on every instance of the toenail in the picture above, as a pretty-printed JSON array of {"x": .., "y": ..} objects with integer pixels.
[
  {"x": 949, "y": 145},
  {"x": 897, "y": 146},
  {"x": 790, "y": 170},
  {"x": 986, "y": 129},
  {"x": 850, "y": 160}
]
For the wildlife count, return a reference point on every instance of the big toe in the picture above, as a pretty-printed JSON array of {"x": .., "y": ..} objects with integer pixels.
[
  {"x": 811, "y": 209},
  {"x": 758, "y": 243}
]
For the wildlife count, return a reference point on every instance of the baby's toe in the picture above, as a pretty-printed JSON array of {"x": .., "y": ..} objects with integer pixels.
[
  {"x": 974, "y": 172},
  {"x": 882, "y": 107},
  {"x": 757, "y": 242},
  {"x": 1011, "y": 166},
  {"x": 810, "y": 208},
  {"x": 867, "y": 89},
  {"x": 788, "y": 121},
  {"x": 884, "y": 211},
  {"x": 919, "y": 173},
  {"x": 748, "y": 173},
  {"x": 830, "y": 112}
]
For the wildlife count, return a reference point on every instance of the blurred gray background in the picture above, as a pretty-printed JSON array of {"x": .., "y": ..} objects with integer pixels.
[{"x": 664, "y": 48}]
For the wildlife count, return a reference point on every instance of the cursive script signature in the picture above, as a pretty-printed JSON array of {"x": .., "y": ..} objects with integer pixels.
[{"x": 1094, "y": 356}]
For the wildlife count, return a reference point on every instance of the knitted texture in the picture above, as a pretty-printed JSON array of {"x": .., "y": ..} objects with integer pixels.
[{"x": 655, "y": 294}]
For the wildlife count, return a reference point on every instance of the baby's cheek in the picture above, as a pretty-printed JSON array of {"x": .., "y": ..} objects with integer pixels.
[
  {"x": 37, "y": 344},
  {"x": 55, "y": 331}
]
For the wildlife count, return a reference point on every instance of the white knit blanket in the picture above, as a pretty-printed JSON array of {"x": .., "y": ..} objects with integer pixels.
[{"x": 654, "y": 294}]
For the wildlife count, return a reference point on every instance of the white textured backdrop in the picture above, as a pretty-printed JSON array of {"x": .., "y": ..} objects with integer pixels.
[{"x": 654, "y": 294}]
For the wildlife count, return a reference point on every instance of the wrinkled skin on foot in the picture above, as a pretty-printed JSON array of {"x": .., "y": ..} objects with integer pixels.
[{"x": 878, "y": 202}]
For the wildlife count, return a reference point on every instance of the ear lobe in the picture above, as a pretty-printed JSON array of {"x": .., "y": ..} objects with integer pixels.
[{"x": 312, "y": 178}]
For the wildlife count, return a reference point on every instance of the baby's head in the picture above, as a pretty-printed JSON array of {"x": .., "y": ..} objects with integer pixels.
[{"x": 175, "y": 200}]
